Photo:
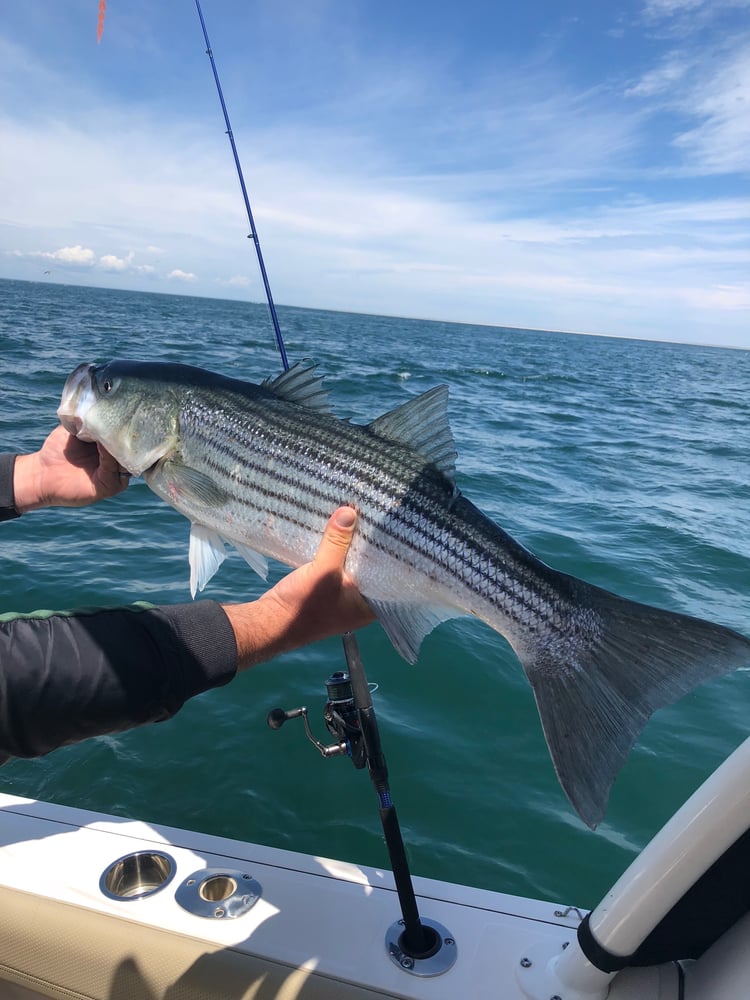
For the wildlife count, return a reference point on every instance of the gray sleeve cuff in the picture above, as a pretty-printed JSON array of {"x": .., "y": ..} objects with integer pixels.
[{"x": 7, "y": 499}]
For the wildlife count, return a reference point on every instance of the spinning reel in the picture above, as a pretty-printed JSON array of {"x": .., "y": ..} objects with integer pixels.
[{"x": 341, "y": 719}]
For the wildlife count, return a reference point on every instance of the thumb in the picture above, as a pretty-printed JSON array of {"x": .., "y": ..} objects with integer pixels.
[{"x": 331, "y": 554}]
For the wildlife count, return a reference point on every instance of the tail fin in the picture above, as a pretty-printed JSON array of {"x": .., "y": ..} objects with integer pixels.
[{"x": 597, "y": 684}]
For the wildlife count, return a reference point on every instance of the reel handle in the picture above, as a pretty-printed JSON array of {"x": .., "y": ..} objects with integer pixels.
[{"x": 278, "y": 716}]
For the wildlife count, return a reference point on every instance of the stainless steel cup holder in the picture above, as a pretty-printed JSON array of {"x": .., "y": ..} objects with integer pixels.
[{"x": 137, "y": 875}]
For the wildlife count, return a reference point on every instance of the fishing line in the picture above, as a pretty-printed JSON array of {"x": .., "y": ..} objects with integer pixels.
[{"x": 253, "y": 234}]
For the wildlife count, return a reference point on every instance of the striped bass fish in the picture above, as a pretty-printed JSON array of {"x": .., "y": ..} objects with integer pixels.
[{"x": 264, "y": 466}]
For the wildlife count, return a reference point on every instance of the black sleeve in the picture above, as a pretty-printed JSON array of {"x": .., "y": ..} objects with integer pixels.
[
  {"x": 7, "y": 499},
  {"x": 65, "y": 676}
]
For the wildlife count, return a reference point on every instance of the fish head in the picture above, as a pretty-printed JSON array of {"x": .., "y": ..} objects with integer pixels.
[{"x": 125, "y": 407}]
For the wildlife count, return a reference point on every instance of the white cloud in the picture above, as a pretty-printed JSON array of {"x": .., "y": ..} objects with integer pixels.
[
  {"x": 662, "y": 79},
  {"x": 733, "y": 298},
  {"x": 721, "y": 142},
  {"x": 691, "y": 15},
  {"x": 708, "y": 86},
  {"x": 655, "y": 9},
  {"x": 179, "y": 275},
  {"x": 76, "y": 256},
  {"x": 237, "y": 281},
  {"x": 124, "y": 265},
  {"x": 109, "y": 262},
  {"x": 84, "y": 257}
]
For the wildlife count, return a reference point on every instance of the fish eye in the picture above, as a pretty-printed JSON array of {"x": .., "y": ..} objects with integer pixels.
[{"x": 106, "y": 383}]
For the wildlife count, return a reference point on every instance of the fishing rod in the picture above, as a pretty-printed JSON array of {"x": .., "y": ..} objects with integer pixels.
[
  {"x": 253, "y": 234},
  {"x": 420, "y": 946}
]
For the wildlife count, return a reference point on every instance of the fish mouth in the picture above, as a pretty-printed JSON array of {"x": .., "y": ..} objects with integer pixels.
[{"x": 77, "y": 398}]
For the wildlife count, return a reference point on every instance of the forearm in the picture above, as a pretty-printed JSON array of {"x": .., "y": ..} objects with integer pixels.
[
  {"x": 27, "y": 484},
  {"x": 304, "y": 606},
  {"x": 20, "y": 485},
  {"x": 21, "y": 488},
  {"x": 263, "y": 630},
  {"x": 64, "y": 678}
]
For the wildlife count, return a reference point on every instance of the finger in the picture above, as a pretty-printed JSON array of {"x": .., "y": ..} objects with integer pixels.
[
  {"x": 107, "y": 463},
  {"x": 336, "y": 540},
  {"x": 113, "y": 478}
]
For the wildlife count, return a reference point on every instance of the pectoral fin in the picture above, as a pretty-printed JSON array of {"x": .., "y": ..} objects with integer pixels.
[{"x": 197, "y": 486}]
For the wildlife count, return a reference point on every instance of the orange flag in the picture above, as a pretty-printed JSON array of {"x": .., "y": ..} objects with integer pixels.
[{"x": 100, "y": 23}]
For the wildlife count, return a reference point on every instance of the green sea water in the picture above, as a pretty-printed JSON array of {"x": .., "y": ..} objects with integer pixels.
[{"x": 622, "y": 462}]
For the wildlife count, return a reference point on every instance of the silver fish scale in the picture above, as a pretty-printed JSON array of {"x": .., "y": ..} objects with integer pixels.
[{"x": 272, "y": 456}]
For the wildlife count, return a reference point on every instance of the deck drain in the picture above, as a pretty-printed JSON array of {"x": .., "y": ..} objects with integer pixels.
[{"x": 218, "y": 893}]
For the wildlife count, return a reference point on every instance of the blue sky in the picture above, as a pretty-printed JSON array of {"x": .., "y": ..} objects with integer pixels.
[{"x": 547, "y": 164}]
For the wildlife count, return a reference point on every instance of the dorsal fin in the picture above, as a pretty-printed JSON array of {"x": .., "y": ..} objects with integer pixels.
[
  {"x": 422, "y": 424},
  {"x": 300, "y": 385}
]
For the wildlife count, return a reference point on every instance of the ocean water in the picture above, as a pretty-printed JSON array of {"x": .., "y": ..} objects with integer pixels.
[{"x": 622, "y": 462}]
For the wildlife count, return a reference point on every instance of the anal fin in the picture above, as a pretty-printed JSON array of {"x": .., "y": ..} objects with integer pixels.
[{"x": 407, "y": 624}]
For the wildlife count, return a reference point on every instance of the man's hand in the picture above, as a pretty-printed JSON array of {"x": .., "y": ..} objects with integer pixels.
[
  {"x": 315, "y": 601},
  {"x": 66, "y": 472}
]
